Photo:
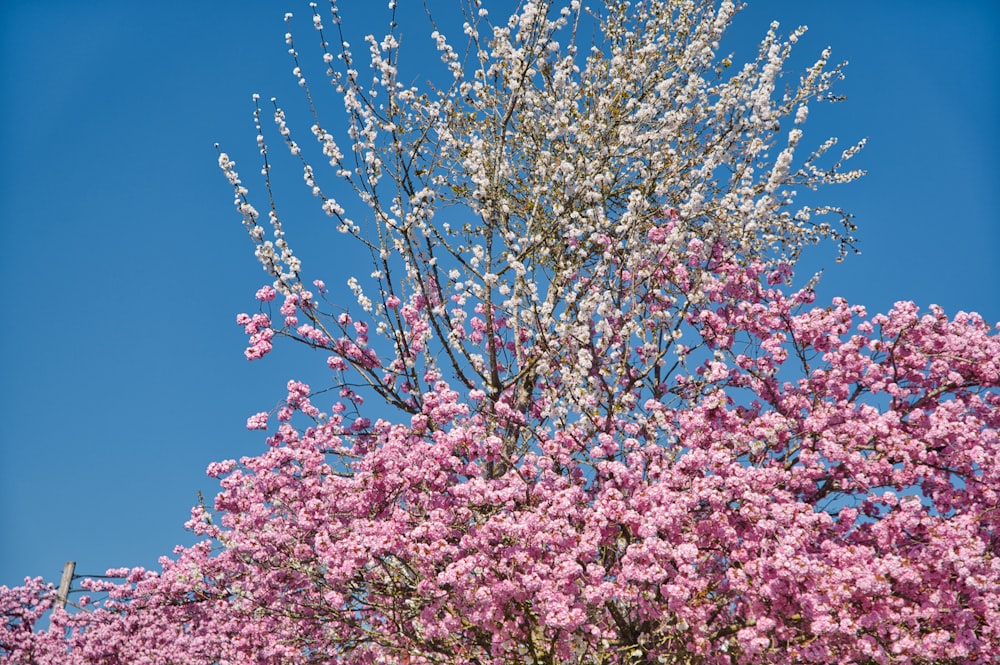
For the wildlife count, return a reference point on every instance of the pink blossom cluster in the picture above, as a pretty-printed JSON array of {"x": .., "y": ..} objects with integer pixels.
[
  {"x": 846, "y": 512},
  {"x": 258, "y": 327}
]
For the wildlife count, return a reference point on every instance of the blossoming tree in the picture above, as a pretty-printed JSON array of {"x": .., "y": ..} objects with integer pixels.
[{"x": 580, "y": 416}]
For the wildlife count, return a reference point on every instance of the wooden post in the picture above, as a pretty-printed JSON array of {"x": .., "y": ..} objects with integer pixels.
[{"x": 67, "y": 578}]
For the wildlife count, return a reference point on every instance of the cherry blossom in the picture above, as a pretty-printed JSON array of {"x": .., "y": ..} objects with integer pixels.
[{"x": 578, "y": 412}]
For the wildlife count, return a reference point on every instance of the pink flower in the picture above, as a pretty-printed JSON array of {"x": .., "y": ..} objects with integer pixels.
[
  {"x": 266, "y": 294},
  {"x": 258, "y": 421}
]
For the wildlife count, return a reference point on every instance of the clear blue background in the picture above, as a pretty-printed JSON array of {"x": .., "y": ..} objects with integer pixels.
[{"x": 124, "y": 264}]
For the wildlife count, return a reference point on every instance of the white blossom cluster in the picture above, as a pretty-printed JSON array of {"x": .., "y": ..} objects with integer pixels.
[{"x": 512, "y": 203}]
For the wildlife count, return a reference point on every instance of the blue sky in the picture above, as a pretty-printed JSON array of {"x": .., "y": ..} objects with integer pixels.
[{"x": 124, "y": 264}]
